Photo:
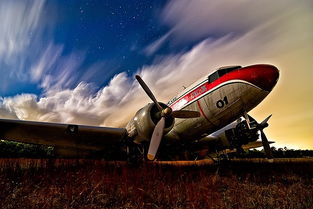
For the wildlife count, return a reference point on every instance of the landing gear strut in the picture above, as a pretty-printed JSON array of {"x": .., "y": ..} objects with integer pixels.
[{"x": 136, "y": 153}]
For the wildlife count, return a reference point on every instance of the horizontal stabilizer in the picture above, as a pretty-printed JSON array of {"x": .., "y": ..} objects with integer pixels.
[{"x": 255, "y": 144}]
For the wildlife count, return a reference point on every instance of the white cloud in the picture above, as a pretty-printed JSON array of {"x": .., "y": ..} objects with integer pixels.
[
  {"x": 61, "y": 72},
  {"x": 79, "y": 105},
  {"x": 154, "y": 46},
  {"x": 45, "y": 63},
  {"x": 20, "y": 39},
  {"x": 114, "y": 104},
  {"x": 19, "y": 19},
  {"x": 28, "y": 53},
  {"x": 193, "y": 20},
  {"x": 283, "y": 39}
]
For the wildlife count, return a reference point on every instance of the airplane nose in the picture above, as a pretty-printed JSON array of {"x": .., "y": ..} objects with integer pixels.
[{"x": 265, "y": 76}]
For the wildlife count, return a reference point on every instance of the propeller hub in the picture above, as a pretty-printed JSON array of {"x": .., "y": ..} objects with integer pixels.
[
  {"x": 159, "y": 128},
  {"x": 167, "y": 111}
]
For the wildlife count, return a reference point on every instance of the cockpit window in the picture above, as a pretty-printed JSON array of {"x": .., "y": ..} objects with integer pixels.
[
  {"x": 213, "y": 77},
  {"x": 222, "y": 71}
]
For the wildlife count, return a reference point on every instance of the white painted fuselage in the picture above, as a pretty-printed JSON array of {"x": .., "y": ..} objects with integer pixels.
[{"x": 221, "y": 99}]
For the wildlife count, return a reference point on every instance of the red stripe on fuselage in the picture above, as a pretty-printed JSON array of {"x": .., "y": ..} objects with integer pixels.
[
  {"x": 262, "y": 76},
  {"x": 201, "y": 111}
]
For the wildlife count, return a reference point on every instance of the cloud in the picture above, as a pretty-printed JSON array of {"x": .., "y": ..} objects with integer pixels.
[
  {"x": 20, "y": 25},
  {"x": 20, "y": 39},
  {"x": 61, "y": 72},
  {"x": 194, "y": 20},
  {"x": 19, "y": 19},
  {"x": 283, "y": 39},
  {"x": 45, "y": 63},
  {"x": 154, "y": 46},
  {"x": 28, "y": 53},
  {"x": 122, "y": 97},
  {"x": 79, "y": 105}
]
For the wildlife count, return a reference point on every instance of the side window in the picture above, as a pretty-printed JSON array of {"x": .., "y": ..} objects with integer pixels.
[
  {"x": 213, "y": 77},
  {"x": 222, "y": 72}
]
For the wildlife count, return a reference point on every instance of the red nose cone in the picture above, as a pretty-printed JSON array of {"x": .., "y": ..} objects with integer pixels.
[{"x": 264, "y": 76}]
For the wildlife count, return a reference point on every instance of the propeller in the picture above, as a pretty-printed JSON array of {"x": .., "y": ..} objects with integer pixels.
[
  {"x": 266, "y": 145},
  {"x": 164, "y": 112}
]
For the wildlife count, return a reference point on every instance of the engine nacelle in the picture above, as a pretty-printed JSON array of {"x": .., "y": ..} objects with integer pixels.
[
  {"x": 142, "y": 124},
  {"x": 242, "y": 134},
  {"x": 232, "y": 136}
]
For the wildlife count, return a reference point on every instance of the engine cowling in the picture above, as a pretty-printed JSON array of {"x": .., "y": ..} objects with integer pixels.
[
  {"x": 142, "y": 124},
  {"x": 242, "y": 134},
  {"x": 232, "y": 136}
]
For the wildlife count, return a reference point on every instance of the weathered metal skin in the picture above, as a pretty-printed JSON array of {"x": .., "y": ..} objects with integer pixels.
[
  {"x": 239, "y": 97},
  {"x": 222, "y": 101},
  {"x": 220, "y": 97},
  {"x": 141, "y": 126},
  {"x": 60, "y": 135}
]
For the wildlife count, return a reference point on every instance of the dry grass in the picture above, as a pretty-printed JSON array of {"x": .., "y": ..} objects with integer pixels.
[{"x": 56, "y": 183}]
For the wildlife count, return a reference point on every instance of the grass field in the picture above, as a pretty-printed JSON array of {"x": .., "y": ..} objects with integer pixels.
[{"x": 65, "y": 183}]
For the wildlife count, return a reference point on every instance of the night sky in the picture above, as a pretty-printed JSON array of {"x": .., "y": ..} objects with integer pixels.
[
  {"x": 108, "y": 36},
  {"x": 114, "y": 32},
  {"x": 74, "y": 61}
]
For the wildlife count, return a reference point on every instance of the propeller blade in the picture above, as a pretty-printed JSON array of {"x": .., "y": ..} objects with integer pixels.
[
  {"x": 156, "y": 139},
  {"x": 266, "y": 145},
  {"x": 264, "y": 122},
  {"x": 148, "y": 91},
  {"x": 238, "y": 120},
  {"x": 246, "y": 116},
  {"x": 185, "y": 114}
]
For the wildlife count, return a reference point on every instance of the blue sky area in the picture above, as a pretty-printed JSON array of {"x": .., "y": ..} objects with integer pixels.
[
  {"x": 100, "y": 38},
  {"x": 74, "y": 61}
]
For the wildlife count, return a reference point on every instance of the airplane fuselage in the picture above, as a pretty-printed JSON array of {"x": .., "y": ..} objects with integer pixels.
[{"x": 221, "y": 98}]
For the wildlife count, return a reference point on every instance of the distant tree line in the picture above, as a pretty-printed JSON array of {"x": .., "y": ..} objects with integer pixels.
[
  {"x": 11, "y": 149},
  {"x": 277, "y": 153}
]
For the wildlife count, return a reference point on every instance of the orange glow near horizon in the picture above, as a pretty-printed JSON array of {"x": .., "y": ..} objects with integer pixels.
[{"x": 291, "y": 101}]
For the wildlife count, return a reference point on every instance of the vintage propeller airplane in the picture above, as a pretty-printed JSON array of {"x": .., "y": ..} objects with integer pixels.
[{"x": 211, "y": 114}]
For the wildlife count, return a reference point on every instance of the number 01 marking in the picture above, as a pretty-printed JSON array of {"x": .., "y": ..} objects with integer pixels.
[{"x": 222, "y": 102}]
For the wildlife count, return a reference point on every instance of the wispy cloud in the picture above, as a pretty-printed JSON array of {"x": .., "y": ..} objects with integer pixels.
[
  {"x": 113, "y": 105},
  {"x": 154, "y": 46},
  {"x": 282, "y": 38},
  {"x": 81, "y": 105},
  {"x": 46, "y": 62},
  {"x": 194, "y": 20},
  {"x": 19, "y": 27},
  {"x": 19, "y": 20},
  {"x": 27, "y": 51},
  {"x": 59, "y": 71},
  {"x": 29, "y": 54}
]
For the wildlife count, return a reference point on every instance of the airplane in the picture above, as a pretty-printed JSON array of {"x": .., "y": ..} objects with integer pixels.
[{"x": 211, "y": 114}]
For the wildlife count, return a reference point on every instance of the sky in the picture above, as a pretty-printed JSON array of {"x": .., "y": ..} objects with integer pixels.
[{"x": 74, "y": 61}]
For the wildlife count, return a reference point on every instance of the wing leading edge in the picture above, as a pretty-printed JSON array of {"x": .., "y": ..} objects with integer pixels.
[{"x": 61, "y": 135}]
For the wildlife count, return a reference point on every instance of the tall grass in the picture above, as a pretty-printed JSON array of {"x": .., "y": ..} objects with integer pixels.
[{"x": 70, "y": 183}]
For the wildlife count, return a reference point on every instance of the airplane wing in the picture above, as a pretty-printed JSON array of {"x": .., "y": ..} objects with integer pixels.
[{"x": 61, "y": 135}]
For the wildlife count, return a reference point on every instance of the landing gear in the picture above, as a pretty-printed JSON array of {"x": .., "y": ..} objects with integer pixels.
[
  {"x": 136, "y": 153},
  {"x": 239, "y": 150}
]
